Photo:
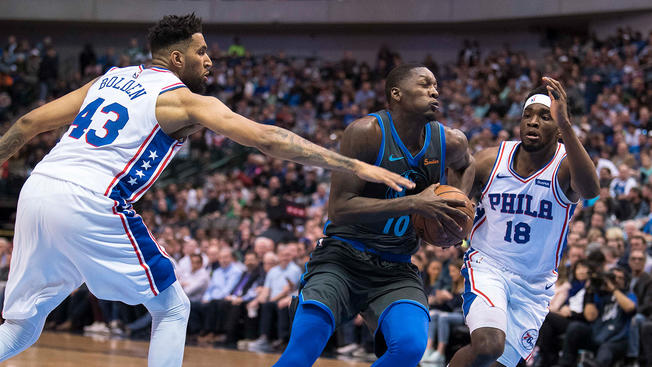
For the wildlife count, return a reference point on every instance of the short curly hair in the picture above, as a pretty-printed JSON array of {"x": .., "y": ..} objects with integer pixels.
[
  {"x": 173, "y": 29},
  {"x": 397, "y": 75}
]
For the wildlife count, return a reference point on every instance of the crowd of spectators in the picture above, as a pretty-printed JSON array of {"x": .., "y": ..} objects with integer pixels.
[{"x": 241, "y": 234}]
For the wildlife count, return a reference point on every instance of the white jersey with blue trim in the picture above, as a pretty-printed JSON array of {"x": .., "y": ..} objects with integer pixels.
[
  {"x": 522, "y": 222},
  {"x": 115, "y": 145}
]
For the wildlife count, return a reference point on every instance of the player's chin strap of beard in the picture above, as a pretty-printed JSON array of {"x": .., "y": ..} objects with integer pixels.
[{"x": 538, "y": 98}]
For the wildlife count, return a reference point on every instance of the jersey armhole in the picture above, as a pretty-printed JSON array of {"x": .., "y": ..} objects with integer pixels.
[
  {"x": 173, "y": 86},
  {"x": 442, "y": 147},
  {"x": 557, "y": 191},
  {"x": 381, "y": 151},
  {"x": 494, "y": 169}
]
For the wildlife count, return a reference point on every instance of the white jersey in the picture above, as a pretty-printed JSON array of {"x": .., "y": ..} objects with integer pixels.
[
  {"x": 115, "y": 146},
  {"x": 521, "y": 222}
]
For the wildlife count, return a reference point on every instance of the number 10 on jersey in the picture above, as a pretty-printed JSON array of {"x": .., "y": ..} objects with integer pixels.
[{"x": 399, "y": 224}]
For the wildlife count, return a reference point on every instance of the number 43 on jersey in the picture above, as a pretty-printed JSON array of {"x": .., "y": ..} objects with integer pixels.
[{"x": 111, "y": 126}]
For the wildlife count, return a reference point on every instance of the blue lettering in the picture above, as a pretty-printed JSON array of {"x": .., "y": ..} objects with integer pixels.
[
  {"x": 112, "y": 81},
  {"x": 508, "y": 203},
  {"x": 528, "y": 205},
  {"x": 127, "y": 85},
  {"x": 137, "y": 94},
  {"x": 116, "y": 85},
  {"x": 103, "y": 83},
  {"x": 545, "y": 209},
  {"x": 519, "y": 206},
  {"x": 494, "y": 199}
]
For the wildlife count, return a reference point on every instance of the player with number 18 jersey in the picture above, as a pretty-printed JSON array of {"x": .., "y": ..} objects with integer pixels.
[{"x": 528, "y": 191}]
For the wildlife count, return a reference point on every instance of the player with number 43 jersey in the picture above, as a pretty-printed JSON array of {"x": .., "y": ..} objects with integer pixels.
[
  {"x": 75, "y": 222},
  {"x": 527, "y": 191}
]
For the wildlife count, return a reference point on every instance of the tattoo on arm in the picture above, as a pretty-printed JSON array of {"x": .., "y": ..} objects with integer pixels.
[
  {"x": 285, "y": 144},
  {"x": 10, "y": 142}
]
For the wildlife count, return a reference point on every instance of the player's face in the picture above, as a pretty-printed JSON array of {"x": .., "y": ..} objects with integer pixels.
[
  {"x": 419, "y": 93},
  {"x": 538, "y": 129},
  {"x": 196, "y": 68}
]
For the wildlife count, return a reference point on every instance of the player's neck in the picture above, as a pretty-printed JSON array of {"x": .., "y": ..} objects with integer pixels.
[
  {"x": 410, "y": 129},
  {"x": 161, "y": 63},
  {"x": 526, "y": 163}
]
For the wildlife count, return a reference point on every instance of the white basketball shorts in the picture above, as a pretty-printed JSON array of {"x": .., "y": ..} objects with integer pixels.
[
  {"x": 524, "y": 300},
  {"x": 66, "y": 235}
]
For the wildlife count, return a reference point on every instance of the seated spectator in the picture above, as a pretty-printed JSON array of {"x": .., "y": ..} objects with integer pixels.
[
  {"x": 567, "y": 305},
  {"x": 608, "y": 307},
  {"x": 641, "y": 286},
  {"x": 195, "y": 282},
  {"x": 638, "y": 243},
  {"x": 236, "y": 302},
  {"x": 205, "y": 314},
  {"x": 280, "y": 284},
  {"x": 623, "y": 183},
  {"x": 447, "y": 314},
  {"x": 190, "y": 247}
]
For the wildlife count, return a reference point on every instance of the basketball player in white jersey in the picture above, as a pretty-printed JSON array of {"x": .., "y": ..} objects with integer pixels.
[
  {"x": 75, "y": 222},
  {"x": 528, "y": 192}
]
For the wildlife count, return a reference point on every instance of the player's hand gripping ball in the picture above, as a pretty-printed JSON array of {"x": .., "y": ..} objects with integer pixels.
[{"x": 431, "y": 230}]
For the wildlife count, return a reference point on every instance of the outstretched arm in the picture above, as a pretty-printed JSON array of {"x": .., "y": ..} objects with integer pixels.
[
  {"x": 271, "y": 140},
  {"x": 577, "y": 175},
  {"x": 57, "y": 113}
]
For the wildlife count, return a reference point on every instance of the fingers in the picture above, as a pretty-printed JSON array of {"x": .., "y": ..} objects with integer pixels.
[
  {"x": 449, "y": 222},
  {"x": 396, "y": 181},
  {"x": 454, "y": 202},
  {"x": 556, "y": 86},
  {"x": 456, "y": 213}
]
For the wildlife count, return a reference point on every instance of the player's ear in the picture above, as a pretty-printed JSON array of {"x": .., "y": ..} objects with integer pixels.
[
  {"x": 176, "y": 58},
  {"x": 396, "y": 94}
]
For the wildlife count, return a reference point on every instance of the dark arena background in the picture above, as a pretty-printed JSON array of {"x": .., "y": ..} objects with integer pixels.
[{"x": 314, "y": 66}]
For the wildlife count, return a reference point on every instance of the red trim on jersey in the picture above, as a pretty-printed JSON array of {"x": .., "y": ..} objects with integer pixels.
[
  {"x": 172, "y": 85},
  {"x": 133, "y": 243},
  {"x": 476, "y": 227},
  {"x": 468, "y": 265},
  {"x": 133, "y": 159},
  {"x": 159, "y": 70},
  {"x": 529, "y": 355},
  {"x": 152, "y": 179},
  {"x": 112, "y": 68},
  {"x": 554, "y": 185},
  {"x": 495, "y": 171},
  {"x": 561, "y": 238},
  {"x": 528, "y": 179}
]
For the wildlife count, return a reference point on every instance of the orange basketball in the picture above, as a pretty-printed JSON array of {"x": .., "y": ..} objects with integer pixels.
[{"x": 432, "y": 232}]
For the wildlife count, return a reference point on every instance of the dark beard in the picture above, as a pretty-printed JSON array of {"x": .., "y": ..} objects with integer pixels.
[{"x": 196, "y": 86}]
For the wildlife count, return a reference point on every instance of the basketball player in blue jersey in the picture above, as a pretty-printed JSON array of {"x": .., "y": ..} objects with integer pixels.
[
  {"x": 363, "y": 265},
  {"x": 75, "y": 221},
  {"x": 528, "y": 191}
]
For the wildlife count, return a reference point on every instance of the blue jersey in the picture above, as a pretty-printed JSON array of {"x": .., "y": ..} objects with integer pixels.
[{"x": 396, "y": 235}]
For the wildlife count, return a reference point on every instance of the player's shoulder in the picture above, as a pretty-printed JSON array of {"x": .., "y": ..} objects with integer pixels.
[
  {"x": 362, "y": 139},
  {"x": 178, "y": 97},
  {"x": 484, "y": 162},
  {"x": 365, "y": 124},
  {"x": 455, "y": 139},
  {"x": 487, "y": 155},
  {"x": 365, "y": 129}
]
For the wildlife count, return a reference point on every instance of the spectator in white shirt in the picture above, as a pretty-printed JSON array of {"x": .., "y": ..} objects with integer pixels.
[{"x": 196, "y": 281}]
